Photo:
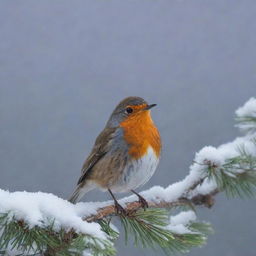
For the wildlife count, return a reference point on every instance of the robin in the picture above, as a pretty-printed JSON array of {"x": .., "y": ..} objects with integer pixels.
[{"x": 125, "y": 154}]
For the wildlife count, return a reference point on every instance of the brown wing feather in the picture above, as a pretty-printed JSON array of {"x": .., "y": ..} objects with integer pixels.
[{"x": 101, "y": 147}]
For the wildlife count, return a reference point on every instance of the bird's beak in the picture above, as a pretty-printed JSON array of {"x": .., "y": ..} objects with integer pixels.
[{"x": 149, "y": 106}]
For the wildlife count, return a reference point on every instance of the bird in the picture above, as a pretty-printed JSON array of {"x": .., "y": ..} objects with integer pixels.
[{"x": 125, "y": 154}]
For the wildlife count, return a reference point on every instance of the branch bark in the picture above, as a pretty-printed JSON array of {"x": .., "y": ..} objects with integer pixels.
[{"x": 204, "y": 200}]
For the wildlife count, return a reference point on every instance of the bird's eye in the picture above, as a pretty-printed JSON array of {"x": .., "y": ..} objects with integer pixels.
[{"x": 129, "y": 110}]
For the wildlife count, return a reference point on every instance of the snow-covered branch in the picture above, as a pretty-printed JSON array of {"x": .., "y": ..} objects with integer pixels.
[{"x": 200, "y": 199}]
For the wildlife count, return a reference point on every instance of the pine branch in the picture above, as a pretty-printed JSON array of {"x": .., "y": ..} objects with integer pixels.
[
  {"x": 204, "y": 200},
  {"x": 236, "y": 177},
  {"x": 150, "y": 229},
  {"x": 46, "y": 241}
]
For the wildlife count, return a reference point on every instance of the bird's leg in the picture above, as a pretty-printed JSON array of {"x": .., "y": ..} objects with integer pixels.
[
  {"x": 119, "y": 208},
  {"x": 143, "y": 202}
]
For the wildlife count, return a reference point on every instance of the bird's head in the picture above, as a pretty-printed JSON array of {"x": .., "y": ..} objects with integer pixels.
[{"x": 131, "y": 108}]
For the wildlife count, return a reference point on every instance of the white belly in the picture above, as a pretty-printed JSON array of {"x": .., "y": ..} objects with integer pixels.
[{"x": 137, "y": 172}]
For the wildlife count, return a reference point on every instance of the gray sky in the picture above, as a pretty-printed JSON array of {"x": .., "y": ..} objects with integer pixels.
[{"x": 64, "y": 65}]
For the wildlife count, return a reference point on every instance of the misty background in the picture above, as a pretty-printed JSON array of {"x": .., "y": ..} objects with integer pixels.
[{"x": 64, "y": 65}]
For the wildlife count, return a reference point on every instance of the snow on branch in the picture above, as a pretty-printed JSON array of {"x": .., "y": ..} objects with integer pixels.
[
  {"x": 246, "y": 116},
  {"x": 230, "y": 167},
  {"x": 40, "y": 209}
]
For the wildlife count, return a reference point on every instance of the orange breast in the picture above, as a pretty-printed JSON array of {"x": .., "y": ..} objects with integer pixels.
[{"x": 140, "y": 133}]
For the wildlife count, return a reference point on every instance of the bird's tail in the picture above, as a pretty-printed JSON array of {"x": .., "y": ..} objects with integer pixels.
[{"x": 79, "y": 192}]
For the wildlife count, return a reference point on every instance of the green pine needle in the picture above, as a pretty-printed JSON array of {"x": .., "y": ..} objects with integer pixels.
[
  {"x": 237, "y": 177},
  {"x": 149, "y": 229},
  {"x": 106, "y": 227},
  {"x": 249, "y": 122},
  {"x": 34, "y": 241}
]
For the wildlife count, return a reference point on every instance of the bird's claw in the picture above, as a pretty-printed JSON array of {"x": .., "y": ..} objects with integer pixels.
[
  {"x": 143, "y": 202},
  {"x": 120, "y": 210}
]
